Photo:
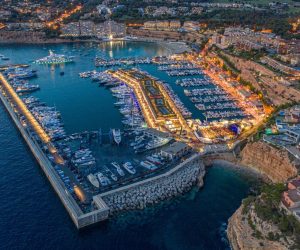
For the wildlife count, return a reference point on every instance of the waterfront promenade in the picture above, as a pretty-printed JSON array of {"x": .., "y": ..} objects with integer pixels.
[{"x": 149, "y": 111}]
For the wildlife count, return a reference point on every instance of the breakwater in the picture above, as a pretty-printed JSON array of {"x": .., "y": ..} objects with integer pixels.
[
  {"x": 79, "y": 218},
  {"x": 153, "y": 190}
]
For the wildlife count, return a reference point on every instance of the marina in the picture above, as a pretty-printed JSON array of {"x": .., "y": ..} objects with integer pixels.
[
  {"x": 73, "y": 160},
  {"x": 89, "y": 112},
  {"x": 100, "y": 62},
  {"x": 149, "y": 141},
  {"x": 214, "y": 103}
]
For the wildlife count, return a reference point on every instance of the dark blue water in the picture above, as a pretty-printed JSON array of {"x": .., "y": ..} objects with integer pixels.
[{"x": 32, "y": 216}]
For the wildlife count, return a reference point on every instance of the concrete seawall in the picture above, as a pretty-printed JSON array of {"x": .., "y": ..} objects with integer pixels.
[
  {"x": 79, "y": 218},
  {"x": 138, "y": 195}
]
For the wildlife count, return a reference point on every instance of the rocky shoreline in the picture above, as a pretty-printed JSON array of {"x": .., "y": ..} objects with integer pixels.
[
  {"x": 241, "y": 236},
  {"x": 276, "y": 165},
  {"x": 155, "y": 191}
]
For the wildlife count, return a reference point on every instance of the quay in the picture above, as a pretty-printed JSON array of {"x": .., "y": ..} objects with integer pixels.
[
  {"x": 157, "y": 106},
  {"x": 16, "y": 109}
]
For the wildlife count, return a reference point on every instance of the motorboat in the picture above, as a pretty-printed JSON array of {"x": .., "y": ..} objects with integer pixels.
[
  {"x": 93, "y": 180},
  {"x": 118, "y": 168},
  {"x": 104, "y": 181},
  {"x": 128, "y": 166},
  {"x": 117, "y": 135}
]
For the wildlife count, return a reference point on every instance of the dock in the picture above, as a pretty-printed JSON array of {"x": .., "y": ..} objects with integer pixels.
[
  {"x": 16, "y": 108},
  {"x": 156, "y": 104}
]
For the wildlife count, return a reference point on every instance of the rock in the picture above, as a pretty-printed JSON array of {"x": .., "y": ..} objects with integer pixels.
[
  {"x": 240, "y": 234},
  {"x": 152, "y": 193},
  {"x": 272, "y": 162}
]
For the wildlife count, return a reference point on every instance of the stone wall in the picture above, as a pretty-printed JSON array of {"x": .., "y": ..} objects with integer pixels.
[
  {"x": 158, "y": 189},
  {"x": 27, "y": 37}
]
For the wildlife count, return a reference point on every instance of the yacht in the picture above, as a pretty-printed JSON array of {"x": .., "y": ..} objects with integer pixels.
[
  {"x": 148, "y": 165},
  {"x": 55, "y": 59},
  {"x": 104, "y": 181},
  {"x": 117, "y": 135},
  {"x": 156, "y": 143},
  {"x": 113, "y": 176},
  {"x": 93, "y": 179},
  {"x": 128, "y": 166},
  {"x": 118, "y": 168},
  {"x": 27, "y": 88},
  {"x": 153, "y": 160}
]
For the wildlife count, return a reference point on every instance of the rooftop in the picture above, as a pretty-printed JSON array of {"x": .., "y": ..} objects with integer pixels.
[{"x": 175, "y": 147}]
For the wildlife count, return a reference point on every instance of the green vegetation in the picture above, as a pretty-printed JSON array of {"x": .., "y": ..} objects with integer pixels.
[
  {"x": 271, "y": 119},
  {"x": 256, "y": 19},
  {"x": 52, "y": 33},
  {"x": 253, "y": 54},
  {"x": 228, "y": 65},
  {"x": 266, "y": 207}
]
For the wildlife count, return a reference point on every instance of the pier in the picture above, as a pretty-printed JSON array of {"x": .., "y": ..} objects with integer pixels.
[
  {"x": 16, "y": 108},
  {"x": 154, "y": 100}
]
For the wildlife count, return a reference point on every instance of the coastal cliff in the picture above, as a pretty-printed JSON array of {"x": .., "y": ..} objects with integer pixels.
[
  {"x": 241, "y": 233},
  {"x": 262, "y": 223},
  {"x": 272, "y": 162}
]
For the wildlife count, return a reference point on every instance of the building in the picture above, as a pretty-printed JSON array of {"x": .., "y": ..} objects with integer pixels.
[
  {"x": 30, "y": 26},
  {"x": 175, "y": 151},
  {"x": 87, "y": 28},
  {"x": 90, "y": 29},
  {"x": 191, "y": 26},
  {"x": 150, "y": 25},
  {"x": 248, "y": 39},
  {"x": 164, "y": 25},
  {"x": 279, "y": 66},
  {"x": 294, "y": 184},
  {"x": 174, "y": 25},
  {"x": 291, "y": 198},
  {"x": 293, "y": 133}
]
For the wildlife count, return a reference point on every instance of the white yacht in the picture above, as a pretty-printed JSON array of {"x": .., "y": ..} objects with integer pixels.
[
  {"x": 156, "y": 143},
  {"x": 55, "y": 59},
  {"x": 148, "y": 165},
  {"x": 113, "y": 176},
  {"x": 117, "y": 135},
  {"x": 104, "y": 181},
  {"x": 93, "y": 179},
  {"x": 128, "y": 166},
  {"x": 118, "y": 168}
]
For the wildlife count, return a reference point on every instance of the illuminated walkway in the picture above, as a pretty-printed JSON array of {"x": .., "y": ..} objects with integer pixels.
[
  {"x": 22, "y": 109},
  {"x": 148, "y": 113}
]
